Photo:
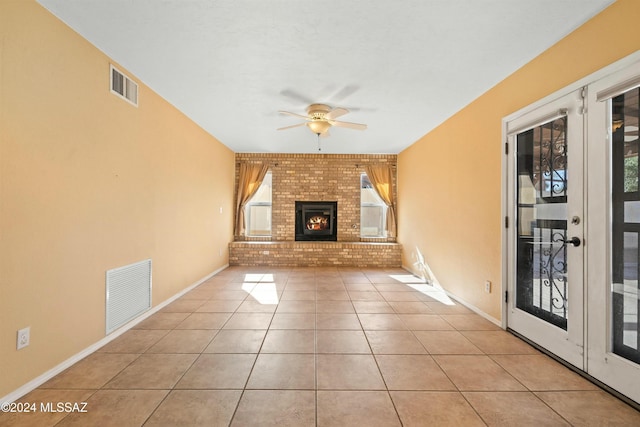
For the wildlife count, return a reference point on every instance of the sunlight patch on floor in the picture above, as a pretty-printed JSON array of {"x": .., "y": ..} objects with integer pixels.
[
  {"x": 421, "y": 286},
  {"x": 264, "y": 292},
  {"x": 434, "y": 293},
  {"x": 406, "y": 278}
]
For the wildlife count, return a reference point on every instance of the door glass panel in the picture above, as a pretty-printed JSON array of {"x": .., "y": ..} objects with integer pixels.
[
  {"x": 541, "y": 288},
  {"x": 625, "y": 301}
]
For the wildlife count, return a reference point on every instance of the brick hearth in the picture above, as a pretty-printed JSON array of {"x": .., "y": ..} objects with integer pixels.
[{"x": 314, "y": 254}]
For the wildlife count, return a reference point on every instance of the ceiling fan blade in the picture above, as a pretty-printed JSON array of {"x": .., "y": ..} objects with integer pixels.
[
  {"x": 292, "y": 126},
  {"x": 335, "y": 113},
  {"x": 294, "y": 114},
  {"x": 296, "y": 96},
  {"x": 357, "y": 126},
  {"x": 343, "y": 93}
]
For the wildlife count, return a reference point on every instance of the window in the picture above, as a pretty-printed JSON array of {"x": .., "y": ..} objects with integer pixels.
[
  {"x": 258, "y": 210},
  {"x": 373, "y": 210},
  {"x": 624, "y": 118}
]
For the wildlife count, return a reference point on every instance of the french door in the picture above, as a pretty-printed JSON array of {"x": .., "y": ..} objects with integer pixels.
[
  {"x": 573, "y": 248},
  {"x": 613, "y": 336},
  {"x": 546, "y": 169}
]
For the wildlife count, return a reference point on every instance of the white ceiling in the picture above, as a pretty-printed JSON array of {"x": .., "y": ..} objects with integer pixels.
[{"x": 401, "y": 67}]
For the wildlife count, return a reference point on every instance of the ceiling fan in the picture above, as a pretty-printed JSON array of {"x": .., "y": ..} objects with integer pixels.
[{"x": 321, "y": 117}]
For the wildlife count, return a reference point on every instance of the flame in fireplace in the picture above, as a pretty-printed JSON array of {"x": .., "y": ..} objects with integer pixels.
[{"x": 317, "y": 223}]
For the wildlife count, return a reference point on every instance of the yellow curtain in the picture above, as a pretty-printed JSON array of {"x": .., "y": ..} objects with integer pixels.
[
  {"x": 381, "y": 178},
  {"x": 249, "y": 180}
]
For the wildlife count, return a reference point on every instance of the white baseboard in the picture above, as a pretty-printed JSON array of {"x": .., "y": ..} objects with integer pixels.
[
  {"x": 462, "y": 302},
  {"x": 475, "y": 309},
  {"x": 38, "y": 381}
]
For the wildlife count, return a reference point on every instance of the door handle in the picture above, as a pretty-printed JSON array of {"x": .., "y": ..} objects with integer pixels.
[{"x": 575, "y": 241}]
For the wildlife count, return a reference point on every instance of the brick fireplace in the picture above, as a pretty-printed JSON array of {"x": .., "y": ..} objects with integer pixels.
[{"x": 311, "y": 178}]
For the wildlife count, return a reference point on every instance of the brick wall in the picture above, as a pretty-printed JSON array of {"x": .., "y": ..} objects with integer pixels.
[
  {"x": 308, "y": 254},
  {"x": 316, "y": 177}
]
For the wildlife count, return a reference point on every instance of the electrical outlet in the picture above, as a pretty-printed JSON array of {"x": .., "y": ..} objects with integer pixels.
[
  {"x": 23, "y": 338},
  {"x": 487, "y": 287}
]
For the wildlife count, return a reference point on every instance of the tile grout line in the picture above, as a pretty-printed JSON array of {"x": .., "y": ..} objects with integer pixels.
[
  {"x": 206, "y": 346},
  {"x": 384, "y": 381},
  {"x": 170, "y": 390},
  {"x": 528, "y": 390},
  {"x": 246, "y": 383},
  {"x": 458, "y": 388},
  {"x": 440, "y": 367}
]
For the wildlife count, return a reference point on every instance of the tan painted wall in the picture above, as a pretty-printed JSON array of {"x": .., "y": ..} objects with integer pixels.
[
  {"x": 449, "y": 182},
  {"x": 88, "y": 183}
]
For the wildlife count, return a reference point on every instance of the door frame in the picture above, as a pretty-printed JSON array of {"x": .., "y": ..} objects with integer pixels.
[{"x": 602, "y": 372}]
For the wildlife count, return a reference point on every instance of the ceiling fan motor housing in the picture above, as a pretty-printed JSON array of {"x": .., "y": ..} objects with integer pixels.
[{"x": 318, "y": 111}]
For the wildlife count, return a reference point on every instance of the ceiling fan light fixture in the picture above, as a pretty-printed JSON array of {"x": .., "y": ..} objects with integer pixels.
[{"x": 318, "y": 126}]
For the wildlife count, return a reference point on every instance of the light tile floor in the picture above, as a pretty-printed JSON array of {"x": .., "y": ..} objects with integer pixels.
[{"x": 325, "y": 347}]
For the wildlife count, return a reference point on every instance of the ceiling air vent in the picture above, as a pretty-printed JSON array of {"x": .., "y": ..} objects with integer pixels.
[{"x": 123, "y": 86}]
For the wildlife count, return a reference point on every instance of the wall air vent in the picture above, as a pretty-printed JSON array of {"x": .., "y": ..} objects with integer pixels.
[
  {"x": 123, "y": 86},
  {"x": 128, "y": 293}
]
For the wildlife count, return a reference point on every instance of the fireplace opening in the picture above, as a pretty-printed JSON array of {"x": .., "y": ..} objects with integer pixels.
[{"x": 317, "y": 221}]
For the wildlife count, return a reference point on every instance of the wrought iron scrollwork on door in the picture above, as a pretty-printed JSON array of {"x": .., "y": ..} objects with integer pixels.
[{"x": 550, "y": 161}]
